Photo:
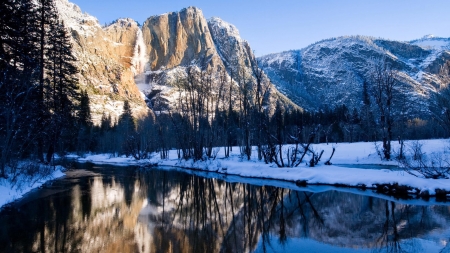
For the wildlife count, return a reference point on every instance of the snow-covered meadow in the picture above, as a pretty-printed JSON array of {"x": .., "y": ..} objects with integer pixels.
[{"x": 353, "y": 164}]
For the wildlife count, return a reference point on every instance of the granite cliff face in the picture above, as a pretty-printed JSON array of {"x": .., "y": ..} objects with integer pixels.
[
  {"x": 331, "y": 72},
  {"x": 105, "y": 61},
  {"x": 178, "y": 40},
  {"x": 118, "y": 61}
]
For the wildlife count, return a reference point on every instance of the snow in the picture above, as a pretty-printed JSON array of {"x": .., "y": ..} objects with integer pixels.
[
  {"x": 229, "y": 29},
  {"x": 435, "y": 44},
  {"x": 74, "y": 18},
  {"x": 431, "y": 42},
  {"x": 10, "y": 191},
  {"x": 354, "y": 164}
]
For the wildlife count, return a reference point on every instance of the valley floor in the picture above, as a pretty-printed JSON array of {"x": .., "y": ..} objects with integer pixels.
[{"x": 353, "y": 165}]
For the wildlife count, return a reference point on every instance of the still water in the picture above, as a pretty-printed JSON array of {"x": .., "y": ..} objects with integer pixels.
[{"x": 128, "y": 209}]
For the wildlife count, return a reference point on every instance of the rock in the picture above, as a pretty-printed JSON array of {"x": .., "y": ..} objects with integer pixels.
[
  {"x": 301, "y": 183},
  {"x": 178, "y": 40},
  {"x": 104, "y": 61}
]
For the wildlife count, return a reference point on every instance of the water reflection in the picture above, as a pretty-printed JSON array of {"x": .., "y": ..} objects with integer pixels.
[{"x": 133, "y": 210}]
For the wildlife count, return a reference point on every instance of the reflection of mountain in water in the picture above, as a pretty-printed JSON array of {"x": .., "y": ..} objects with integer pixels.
[{"x": 129, "y": 210}]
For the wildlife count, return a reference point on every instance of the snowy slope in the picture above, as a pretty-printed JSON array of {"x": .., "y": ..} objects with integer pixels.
[
  {"x": 331, "y": 72},
  {"x": 74, "y": 18}
]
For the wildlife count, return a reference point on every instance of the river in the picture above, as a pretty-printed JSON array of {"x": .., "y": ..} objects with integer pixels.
[{"x": 104, "y": 208}]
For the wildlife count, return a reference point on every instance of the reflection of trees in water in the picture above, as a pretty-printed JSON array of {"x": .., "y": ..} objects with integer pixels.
[
  {"x": 405, "y": 222},
  {"x": 186, "y": 213},
  {"x": 216, "y": 216}
]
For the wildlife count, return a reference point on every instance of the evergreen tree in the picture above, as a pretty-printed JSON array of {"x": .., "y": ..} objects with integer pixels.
[
  {"x": 17, "y": 77},
  {"x": 37, "y": 88},
  {"x": 126, "y": 129},
  {"x": 46, "y": 20},
  {"x": 61, "y": 90},
  {"x": 126, "y": 120},
  {"x": 85, "y": 127},
  {"x": 366, "y": 121},
  {"x": 84, "y": 113}
]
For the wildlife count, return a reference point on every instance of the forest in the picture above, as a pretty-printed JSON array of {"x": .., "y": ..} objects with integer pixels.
[{"x": 44, "y": 112}]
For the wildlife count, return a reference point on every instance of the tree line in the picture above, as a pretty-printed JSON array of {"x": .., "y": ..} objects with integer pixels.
[
  {"x": 38, "y": 88},
  {"x": 42, "y": 110},
  {"x": 215, "y": 112}
]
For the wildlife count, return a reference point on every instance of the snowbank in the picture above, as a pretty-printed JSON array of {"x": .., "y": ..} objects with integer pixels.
[
  {"x": 354, "y": 164},
  {"x": 11, "y": 191}
]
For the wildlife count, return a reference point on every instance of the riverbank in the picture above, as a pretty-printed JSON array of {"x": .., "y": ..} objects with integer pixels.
[
  {"x": 10, "y": 189},
  {"x": 353, "y": 165}
]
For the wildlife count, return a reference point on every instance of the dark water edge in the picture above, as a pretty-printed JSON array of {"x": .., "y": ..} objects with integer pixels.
[{"x": 104, "y": 208}]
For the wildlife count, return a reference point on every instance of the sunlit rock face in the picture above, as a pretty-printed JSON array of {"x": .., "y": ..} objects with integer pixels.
[
  {"x": 179, "y": 38},
  {"x": 104, "y": 60},
  {"x": 178, "y": 41},
  {"x": 331, "y": 72}
]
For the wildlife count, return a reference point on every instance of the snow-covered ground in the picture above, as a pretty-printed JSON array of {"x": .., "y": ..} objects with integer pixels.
[
  {"x": 354, "y": 164},
  {"x": 10, "y": 191}
]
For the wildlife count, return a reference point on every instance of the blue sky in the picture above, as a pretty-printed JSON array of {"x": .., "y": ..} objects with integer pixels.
[{"x": 273, "y": 26}]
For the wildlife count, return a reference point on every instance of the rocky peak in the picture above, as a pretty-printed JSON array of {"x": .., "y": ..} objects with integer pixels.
[
  {"x": 235, "y": 51},
  {"x": 179, "y": 38},
  {"x": 74, "y": 18},
  {"x": 227, "y": 29}
]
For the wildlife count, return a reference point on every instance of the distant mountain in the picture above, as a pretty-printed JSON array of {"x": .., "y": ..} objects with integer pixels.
[
  {"x": 331, "y": 72},
  {"x": 123, "y": 61}
]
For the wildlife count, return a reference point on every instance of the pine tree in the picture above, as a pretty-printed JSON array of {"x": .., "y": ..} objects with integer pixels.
[
  {"x": 61, "y": 89},
  {"x": 126, "y": 128},
  {"x": 17, "y": 77},
  {"x": 84, "y": 113},
  {"x": 85, "y": 127},
  {"x": 37, "y": 85},
  {"x": 366, "y": 121},
  {"x": 126, "y": 121},
  {"x": 46, "y": 20}
]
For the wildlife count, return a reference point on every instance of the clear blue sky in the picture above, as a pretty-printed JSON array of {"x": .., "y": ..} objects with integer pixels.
[{"x": 272, "y": 26}]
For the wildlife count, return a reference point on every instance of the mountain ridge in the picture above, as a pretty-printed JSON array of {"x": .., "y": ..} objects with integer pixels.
[{"x": 333, "y": 70}]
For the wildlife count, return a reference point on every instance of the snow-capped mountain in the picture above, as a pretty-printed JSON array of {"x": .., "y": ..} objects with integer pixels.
[
  {"x": 331, "y": 72},
  {"x": 119, "y": 61},
  {"x": 122, "y": 60}
]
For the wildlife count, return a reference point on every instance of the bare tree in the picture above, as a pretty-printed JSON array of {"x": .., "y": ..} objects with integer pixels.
[{"x": 384, "y": 82}]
